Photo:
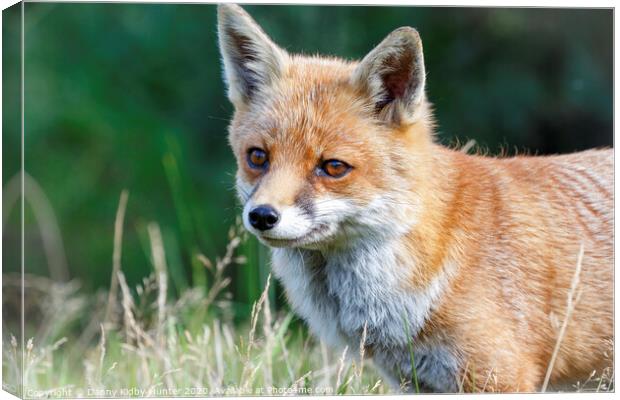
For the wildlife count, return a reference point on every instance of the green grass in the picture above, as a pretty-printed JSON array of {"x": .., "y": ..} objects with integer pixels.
[{"x": 414, "y": 374}]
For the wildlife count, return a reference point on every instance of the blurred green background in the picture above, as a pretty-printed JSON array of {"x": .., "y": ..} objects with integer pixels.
[{"x": 130, "y": 96}]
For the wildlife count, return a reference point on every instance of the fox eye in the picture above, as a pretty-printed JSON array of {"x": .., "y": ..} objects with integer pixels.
[
  {"x": 257, "y": 158},
  {"x": 335, "y": 168}
]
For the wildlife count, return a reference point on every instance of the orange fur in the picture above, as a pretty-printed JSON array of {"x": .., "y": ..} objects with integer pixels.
[{"x": 513, "y": 226}]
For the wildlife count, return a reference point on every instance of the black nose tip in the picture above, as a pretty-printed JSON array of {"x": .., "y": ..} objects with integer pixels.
[{"x": 263, "y": 217}]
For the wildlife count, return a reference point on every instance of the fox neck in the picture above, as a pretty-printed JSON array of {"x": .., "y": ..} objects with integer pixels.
[{"x": 432, "y": 240}]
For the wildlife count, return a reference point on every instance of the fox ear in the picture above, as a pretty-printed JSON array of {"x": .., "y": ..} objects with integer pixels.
[
  {"x": 393, "y": 76},
  {"x": 250, "y": 59}
]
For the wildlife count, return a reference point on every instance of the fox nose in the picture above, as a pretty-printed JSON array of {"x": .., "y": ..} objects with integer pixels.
[{"x": 263, "y": 217}]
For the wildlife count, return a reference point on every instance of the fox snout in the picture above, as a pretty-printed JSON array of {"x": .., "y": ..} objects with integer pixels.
[
  {"x": 263, "y": 217},
  {"x": 278, "y": 225}
]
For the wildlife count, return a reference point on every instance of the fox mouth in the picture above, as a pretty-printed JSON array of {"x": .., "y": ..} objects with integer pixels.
[
  {"x": 280, "y": 242},
  {"x": 309, "y": 237}
]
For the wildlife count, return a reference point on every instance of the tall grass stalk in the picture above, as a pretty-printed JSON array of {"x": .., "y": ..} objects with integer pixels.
[
  {"x": 414, "y": 373},
  {"x": 116, "y": 253},
  {"x": 572, "y": 299}
]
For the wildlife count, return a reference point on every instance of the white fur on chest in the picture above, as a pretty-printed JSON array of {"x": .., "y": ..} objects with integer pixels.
[{"x": 340, "y": 293}]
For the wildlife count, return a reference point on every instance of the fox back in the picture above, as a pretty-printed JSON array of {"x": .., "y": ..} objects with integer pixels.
[{"x": 377, "y": 232}]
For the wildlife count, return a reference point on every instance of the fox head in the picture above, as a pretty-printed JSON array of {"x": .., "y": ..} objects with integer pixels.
[{"x": 328, "y": 150}]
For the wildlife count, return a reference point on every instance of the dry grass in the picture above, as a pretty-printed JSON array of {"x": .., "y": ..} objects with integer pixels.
[{"x": 138, "y": 342}]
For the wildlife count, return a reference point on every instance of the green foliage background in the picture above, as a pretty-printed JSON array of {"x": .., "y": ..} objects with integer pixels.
[{"x": 131, "y": 96}]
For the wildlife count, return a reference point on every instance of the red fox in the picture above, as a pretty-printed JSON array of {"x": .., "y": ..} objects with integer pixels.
[{"x": 377, "y": 231}]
